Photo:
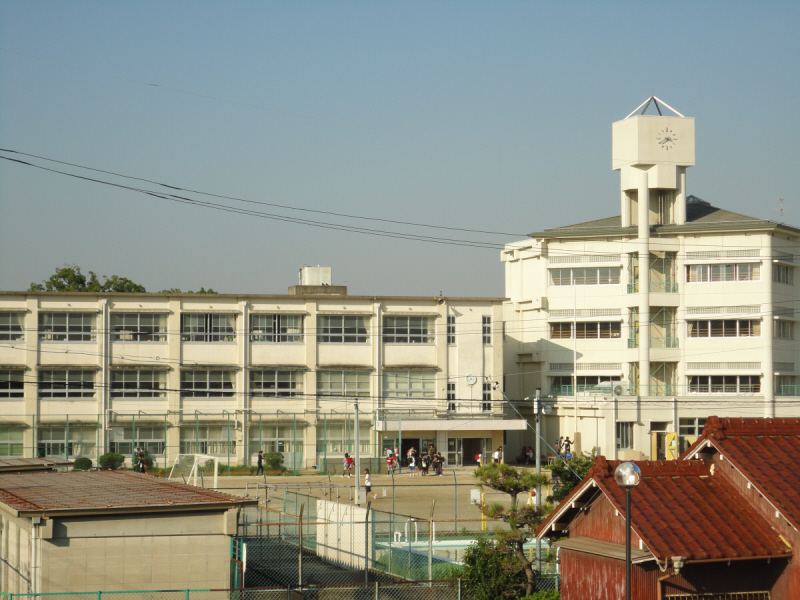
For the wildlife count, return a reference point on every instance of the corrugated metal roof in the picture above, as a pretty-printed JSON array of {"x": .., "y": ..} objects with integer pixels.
[
  {"x": 609, "y": 549},
  {"x": 765, "y": 451},
  {"x": 105, "y": 491},
  {"x": 680, "y": 509},
  {"x": 33, "y": 464}
]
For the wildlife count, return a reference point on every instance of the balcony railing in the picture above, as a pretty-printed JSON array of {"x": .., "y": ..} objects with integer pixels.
[
  {"x": 618, "y": 388},
  {"x": 655, "y": 342},
  {"x": 663, "y": 287}
]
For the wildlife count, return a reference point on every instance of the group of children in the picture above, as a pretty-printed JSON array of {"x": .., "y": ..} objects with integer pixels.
[{"x": 430, "y": 461}]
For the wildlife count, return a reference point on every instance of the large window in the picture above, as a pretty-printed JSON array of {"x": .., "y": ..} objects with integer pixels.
[
  {"x": 208, "y": 384},
  {"x": 11, "y": 443},
  {"x": 783, "y": 274},
  {"x": 208, "y": 328},
  {"x": 342, "y": 329},
  {"x": 276, "y": 328},
  {"x": 138, "y": 327},
  {"x": 689, "y": 429},
  {"x": 588, "y": 276},
  {"x": 208, "y": 439},
  {"x": 338, "y": 437},
  {"x": 276, "y": 383},
  {"x": 54, "y": 441},
  {"x": 562, "y": 384},
  {"x": 724, "y": 328},
  {"x": 719, "y": 273},
  {"x": 597, "y": 330},
  {"x": 451, "y": 330},
  {"x": 783, "y": 330},
  {"x": 343, "y": 383},
  {"x": 624, "y": 435},
  {"x": 274, "y": 437},
  {"x": 409, "y": 384},
  {"x": 72, "y": 383},
  {"x": 11, "y": 326},
  {"x": 149, "y": 438},
  {"x": 12, "y": 383},
  {"x": 724, "y": 384},
  {"x": 138, "y": 384},
  {"x": 67, "y": 327},
  {"x": 408, "y": 330}
]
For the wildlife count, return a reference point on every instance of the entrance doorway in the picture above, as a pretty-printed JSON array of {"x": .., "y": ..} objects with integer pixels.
[{"x": 462, "y": 451}]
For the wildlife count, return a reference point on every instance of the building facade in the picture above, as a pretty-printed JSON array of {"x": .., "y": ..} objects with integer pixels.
[
  {"x": 83, "y": 374},
  {"x": 636, "y": 327}
]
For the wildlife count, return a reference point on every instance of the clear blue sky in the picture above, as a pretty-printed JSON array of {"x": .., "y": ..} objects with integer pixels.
[{"x": 479, "y": 115}]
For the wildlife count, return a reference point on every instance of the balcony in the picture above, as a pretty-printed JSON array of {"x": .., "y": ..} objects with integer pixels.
[
  {"x": 656, "y": 342},
  {"x": 658, "y": 287}
]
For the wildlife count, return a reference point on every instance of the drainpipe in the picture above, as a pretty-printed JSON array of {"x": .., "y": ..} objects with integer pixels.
[{"x": 104, "y": 394}]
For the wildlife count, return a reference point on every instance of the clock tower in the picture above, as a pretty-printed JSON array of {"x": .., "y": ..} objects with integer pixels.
[{"x": 652, "y": 154}]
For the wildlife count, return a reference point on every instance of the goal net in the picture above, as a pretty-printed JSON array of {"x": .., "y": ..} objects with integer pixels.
[{"x": 195, "y": 469}]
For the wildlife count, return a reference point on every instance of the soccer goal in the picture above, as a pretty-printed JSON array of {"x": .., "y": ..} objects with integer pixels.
[{"x": 194, "y": 469}]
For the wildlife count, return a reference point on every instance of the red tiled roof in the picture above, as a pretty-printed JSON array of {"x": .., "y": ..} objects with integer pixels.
[
  {"x": 765, "y": 451},
  {"x": 104, "y": 491},
  {"x": 680, "y": 509}
]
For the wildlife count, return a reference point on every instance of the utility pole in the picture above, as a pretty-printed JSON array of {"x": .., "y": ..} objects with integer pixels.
[
  {"x": 537, "y": 411},
  {"x": 357, "y": 459}
]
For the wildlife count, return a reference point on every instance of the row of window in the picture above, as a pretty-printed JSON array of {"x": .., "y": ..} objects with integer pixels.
[
  {"x": 696, "y": 384},
  {"x": 141, "y": 383},
  {"x": 713, "y": 328},
  {"x": 275, "y": 328}
]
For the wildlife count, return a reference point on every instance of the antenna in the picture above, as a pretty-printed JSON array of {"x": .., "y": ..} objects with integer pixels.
[{"x": 781, "y": 208}]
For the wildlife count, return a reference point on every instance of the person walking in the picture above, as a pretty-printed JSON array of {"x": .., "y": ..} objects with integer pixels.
[
  {"x": 142, "y": 464},
  {"x": 497, "y": 454},
  {"x": 412, "y": 467},
  {"x": 348, "y": 465},
  {"x": 260, "y": 470},
  {"x": 368, "y": 484}
]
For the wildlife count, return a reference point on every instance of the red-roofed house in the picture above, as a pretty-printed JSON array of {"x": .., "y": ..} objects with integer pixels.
[{"x": 685, "y": 511}]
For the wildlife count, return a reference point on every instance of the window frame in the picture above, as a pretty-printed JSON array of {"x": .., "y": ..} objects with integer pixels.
[
  {"x": 723, "y": 272},
  {"x": 783, "y": 274},
  {"x": 419, "y": 385},
  {"x": 326, "y": 378},
  {"x": 122, "y": 378},
  {"x": 277, "y": 328},
  {"x": 624, "y": 435},
  {"x": 69, "y": 386},
  {"x": 12, "y": 384},
  {"x": 723, "y": 384},
  {"x": 208, "y": 327},
  {"x": 409, "y": 329},
  {"x": 286, "y": 383},
  {"x": 10, "y": 331},
  {"x": 226, "y": 389},
  {"x": 76, "y": 326},
  {"x": 585, "y": 276},
  {"x": 451, "y": 330},
  {"x": 721, "y": 328},
  {"x": 135, "y": 331},
  {"x": 783, "y": 329},
  {"x": 486, "y": 330},
  {"x": 343, "y": 329}
]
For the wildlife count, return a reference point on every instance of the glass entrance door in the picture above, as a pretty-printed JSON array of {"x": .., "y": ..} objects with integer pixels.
[{"x": 454, "y": 452}]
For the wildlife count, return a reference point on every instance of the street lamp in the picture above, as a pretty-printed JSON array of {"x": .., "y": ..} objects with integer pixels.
[{"x": 627, "y": 475}]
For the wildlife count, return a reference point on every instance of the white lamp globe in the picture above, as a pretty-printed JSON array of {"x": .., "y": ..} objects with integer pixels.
[{"x": 627, "y": 475}]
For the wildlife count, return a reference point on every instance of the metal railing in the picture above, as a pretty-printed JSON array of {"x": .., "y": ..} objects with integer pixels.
[
  {"x": 656, "y": 342},
  {"x": 664, "y": 287}
]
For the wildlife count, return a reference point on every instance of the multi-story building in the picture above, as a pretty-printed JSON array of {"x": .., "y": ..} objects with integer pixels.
[
  {"x": 82, "y": 374},
  {"x": 637, "y": 327}
]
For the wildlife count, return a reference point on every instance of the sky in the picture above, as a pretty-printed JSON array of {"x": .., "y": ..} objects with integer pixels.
[{"x": 492, "y": 119}]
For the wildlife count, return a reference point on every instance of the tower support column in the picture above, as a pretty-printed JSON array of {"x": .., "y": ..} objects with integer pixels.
[{"x": 644, "y": 283}]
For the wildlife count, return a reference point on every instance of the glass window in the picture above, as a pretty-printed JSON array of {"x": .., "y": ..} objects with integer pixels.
[
  {"x": 52, "y": 440},
  {"x": 408, "y": 330},
  {"x": 208, "y": 384},
  {"x": 12, "y": 383},
  {"x": 208, "y": 328},
  {"x": 138, "y": 327},
  {"x": 66, "y": 384},
  {"x": 11, "y": 326},
  {"x": 486, "y": 404},
  {"x": 724, "y": 384},
  {"x": 780, "y": 274},
  {"x": 216, "y": 440},
  {"x": 689, "y": 429},
  {"x": 277, "y": 328},
  {"x": 11, "y": 443},
  {"x": 624, "y": 436},
  {"x": 276, "y": 383},
  {"x": 560, "y": 331},
  {"x": 721, "y": 273},
  {"x": 409, "y": 384},
  {"x": 342, "y": 329},
  {"x": 276, "y": 437},
  {"x": 487, "y": 330},
  {"x": 138, "y": 384},
  {"x": 451, "y": 330},
  {"x": 451, "y": 396},
  {"x": 149, "y": 438},
  {"x": 67, "y": 327},
  {"x": 340, "y": 438},
  {"x": 585, "y": 276},
  {"x": 343, "y": 383},
  {"x": 783, "y": 330}
]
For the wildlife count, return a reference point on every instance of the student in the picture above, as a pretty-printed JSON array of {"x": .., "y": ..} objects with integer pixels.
[
  {"x": 479, "y": 459},
  {"x": 260, "y": 470},
  {"x": 368, "y": 484},
  {"x": 567, "y": 446},
  {"x": 437, "y": 464},
  {"x": 348, "y": 465},
  {"x": 412, "y": 466},
  {"x": 390, "y": 464},
  {"x": 497, "y": 454}
]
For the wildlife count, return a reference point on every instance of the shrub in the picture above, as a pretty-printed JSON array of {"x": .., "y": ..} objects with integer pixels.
[
  {"x": 82, "y": 464},
  {"x": 492, "y": 571},
  {"x": 273, "y": 461},
  {"x": 112, "y": 460}
]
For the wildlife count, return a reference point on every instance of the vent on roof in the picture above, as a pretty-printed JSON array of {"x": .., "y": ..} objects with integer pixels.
[{"x": 692, "y": 199}]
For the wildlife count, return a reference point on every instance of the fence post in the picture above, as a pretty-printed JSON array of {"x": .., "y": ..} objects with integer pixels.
[
  {"x": 99, "y": 595},
  {"x": 459, "y": 588},
  {"x": 430, "y": 545},
  {"x": 366, "y": 544},
  {"x": 376, "y": 591},
  {"x": 300, "y": 548},
  {"x": 187, "y": 594},
  {"x": 455, "y": 501}
]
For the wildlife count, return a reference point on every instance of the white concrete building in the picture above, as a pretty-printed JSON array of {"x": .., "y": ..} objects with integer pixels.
[
  {"x": 707, "y": 328},
  {"x": 82, "y": 374}
]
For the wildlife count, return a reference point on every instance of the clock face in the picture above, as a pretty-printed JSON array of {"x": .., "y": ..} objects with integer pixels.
[{"x": 666, "y": 138}]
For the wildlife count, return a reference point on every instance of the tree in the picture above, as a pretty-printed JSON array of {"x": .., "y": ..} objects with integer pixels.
[
  {"x": 492, "y": 571},
  {"x": 112, "y": 460},
  {"x": 69, "y": 278},
  {"x": 570, "y": 474},
  {"x": 521, "y": 520},
  {"x": 202, "y": 290}
]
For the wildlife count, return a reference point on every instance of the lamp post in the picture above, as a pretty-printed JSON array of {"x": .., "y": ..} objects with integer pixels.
[{"x": 627, "y": 475}]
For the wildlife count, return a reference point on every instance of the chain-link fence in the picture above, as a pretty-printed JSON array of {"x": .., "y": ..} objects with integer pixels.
[{"x": 314, "y": 540}]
